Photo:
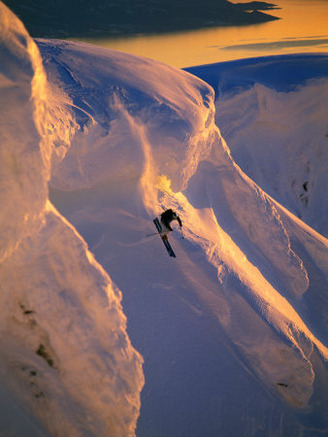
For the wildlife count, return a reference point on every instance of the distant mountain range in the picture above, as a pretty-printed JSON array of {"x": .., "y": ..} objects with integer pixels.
[{"x": 82, "y": 18}]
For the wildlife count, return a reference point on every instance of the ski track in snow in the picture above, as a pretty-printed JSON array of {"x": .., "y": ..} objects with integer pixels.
[{"x": 236, "y": 325}]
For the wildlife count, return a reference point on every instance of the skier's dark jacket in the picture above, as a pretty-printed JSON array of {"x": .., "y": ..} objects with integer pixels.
[{"x": 168, "y": 216}]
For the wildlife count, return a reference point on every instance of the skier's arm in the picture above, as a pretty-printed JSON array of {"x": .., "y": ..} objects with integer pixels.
[{"x": 179, "y": 221}]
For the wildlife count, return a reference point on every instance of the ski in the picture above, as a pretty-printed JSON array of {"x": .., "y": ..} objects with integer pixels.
[{"x": 165, "y": 241}]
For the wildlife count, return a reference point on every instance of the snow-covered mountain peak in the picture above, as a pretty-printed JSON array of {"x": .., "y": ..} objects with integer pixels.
[
  {"x": 22, "y": 81},
  {"x": 63, "y": 331},
  {"x": 234, "y": 326},
  {"x": 172, "y": 104}
]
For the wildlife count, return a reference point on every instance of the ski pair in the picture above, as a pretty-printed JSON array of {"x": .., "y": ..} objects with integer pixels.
[{"x": 165, "y": 240}]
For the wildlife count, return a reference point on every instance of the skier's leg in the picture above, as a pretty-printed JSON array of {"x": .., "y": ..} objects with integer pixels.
[{"x": 165, "y": 231}]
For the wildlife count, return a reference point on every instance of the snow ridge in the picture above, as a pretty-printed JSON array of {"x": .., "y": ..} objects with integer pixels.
[
  {"x": 66, "y": 356},
  {"x": 175, "y": 157},
  {"x": 242, "y": 309},
  {"x": 287, "y": 131}
]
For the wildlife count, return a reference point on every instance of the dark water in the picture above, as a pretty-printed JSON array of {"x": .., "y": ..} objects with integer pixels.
[
  {"x": 154, "y": 28},
  {"x": 303, "y": 27}
]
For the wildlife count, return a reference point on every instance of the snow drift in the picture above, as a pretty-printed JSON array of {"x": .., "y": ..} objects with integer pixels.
[
  {"x": 235, "y": 326},
  {"x": 238, "y": 267},
  {"x": 65, "y": 354},
  {"x": 273, "y": 114}
]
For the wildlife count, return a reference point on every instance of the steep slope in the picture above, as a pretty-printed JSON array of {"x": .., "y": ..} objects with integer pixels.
[
  {"x": 66, "y": 359},
  {"x": 234, "y": 327},
  {"x": 236, "y": 311},
  {"x": 273, "y": 114}
]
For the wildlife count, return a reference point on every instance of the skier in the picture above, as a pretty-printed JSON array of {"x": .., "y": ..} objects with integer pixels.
[{"x": 166, "y": 218}]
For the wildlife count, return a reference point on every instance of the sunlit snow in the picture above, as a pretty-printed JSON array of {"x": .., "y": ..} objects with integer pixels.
[{"x": 230, "y": 337}]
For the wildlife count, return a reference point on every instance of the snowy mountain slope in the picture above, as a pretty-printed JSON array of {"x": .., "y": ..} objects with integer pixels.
[
  {"x": 238, "y": 290},
  {"x": 97, "y": 101},
  {"x": 273, "y": 114},
  {"x": 234, "y": 327},
  {"x": 65, "y": 356}
]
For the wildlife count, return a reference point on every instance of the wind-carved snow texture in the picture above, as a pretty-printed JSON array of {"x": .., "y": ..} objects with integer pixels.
[
  {"x": 235, "y": 326},
  {"x": 65, "y": 356},
  {"x": 287, "y": 137},
  {"x": 97, "y": 101},
  {"x": 241, "y": 271}
]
